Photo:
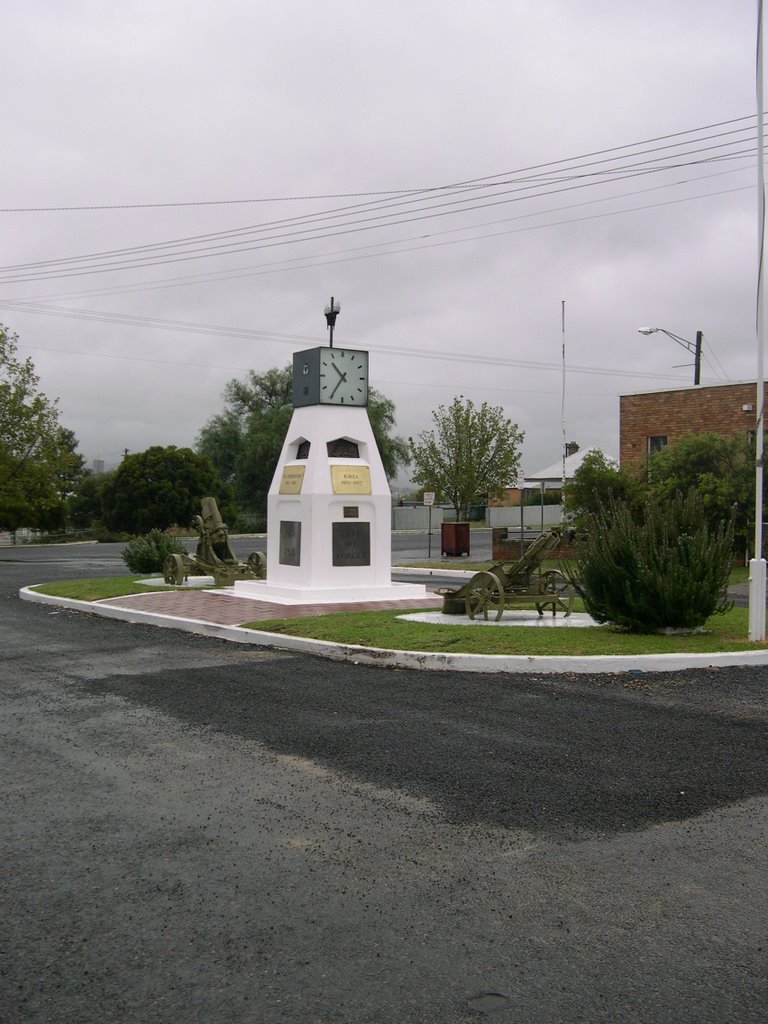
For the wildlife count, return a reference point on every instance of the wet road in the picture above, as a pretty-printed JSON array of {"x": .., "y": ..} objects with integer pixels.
[
  {"x": 412, "y": 545},
  {"x": 196, "y": 832}
]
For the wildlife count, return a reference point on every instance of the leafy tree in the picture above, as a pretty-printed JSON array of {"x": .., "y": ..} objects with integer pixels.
[
  {"x": 720, "y": 469},
  {"x": 244, "y": 441},
  {"x": 472, "y": 454},
  {"x": 38, "y": 457},
  {"x": 158, "y": 488},
  {"x": 597, "y": 482},
  {"x": 85, "y": 506},
  {"x": 393, "y": 450},
  {"x": 72, "y": 470},
  {"x": 223, "y": 441},
  {"x": 66, "y": 478}
]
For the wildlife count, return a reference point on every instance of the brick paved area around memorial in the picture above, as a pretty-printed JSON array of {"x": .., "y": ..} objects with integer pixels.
[{"x": 228, "y": 610}]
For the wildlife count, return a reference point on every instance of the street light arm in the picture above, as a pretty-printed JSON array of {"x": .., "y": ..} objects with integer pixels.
[
  {"x": 689, "y": 346},
  {"x": 675, "y": 337}
]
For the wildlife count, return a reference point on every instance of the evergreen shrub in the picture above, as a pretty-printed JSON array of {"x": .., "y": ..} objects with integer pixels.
[
  {"x": 659, "y": 567},
  {"x": 148, "y": 552}
]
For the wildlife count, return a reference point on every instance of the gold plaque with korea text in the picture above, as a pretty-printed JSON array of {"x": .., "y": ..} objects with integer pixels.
[{"x": 351, "y": 479}]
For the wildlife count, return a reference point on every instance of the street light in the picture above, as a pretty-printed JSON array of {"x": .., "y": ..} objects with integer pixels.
[
  {"x": 332, "y": 310},
  {"x": 689, "y": 345}
]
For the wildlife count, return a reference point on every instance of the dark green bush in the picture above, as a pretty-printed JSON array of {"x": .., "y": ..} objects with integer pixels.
[
  {"x": 148, "y": 552},
  {"x": 657, "y": 568}
]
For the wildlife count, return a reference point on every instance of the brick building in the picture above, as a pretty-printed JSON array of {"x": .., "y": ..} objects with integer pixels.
[{"x": 652, "y": 419}]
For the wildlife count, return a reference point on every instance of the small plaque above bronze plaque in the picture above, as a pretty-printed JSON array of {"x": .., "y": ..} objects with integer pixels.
[
  {"x": 351, "y": 479},
  {"x": 290, "y": 542},
  {"x": 351, "y": 543},
  {"x": 351, "y": 512}
]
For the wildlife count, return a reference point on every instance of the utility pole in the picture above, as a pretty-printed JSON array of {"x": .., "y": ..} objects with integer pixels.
[{"x": 697, "y": 359}]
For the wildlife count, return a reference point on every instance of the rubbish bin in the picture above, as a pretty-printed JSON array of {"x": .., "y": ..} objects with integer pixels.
[{"x": 455, "y": 539}]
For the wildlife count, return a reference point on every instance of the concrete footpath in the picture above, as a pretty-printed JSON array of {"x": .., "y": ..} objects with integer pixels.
[{"x": 221, "y": 614}]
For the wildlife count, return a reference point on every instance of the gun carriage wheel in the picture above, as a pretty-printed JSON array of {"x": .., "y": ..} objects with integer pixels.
[
  {"x": 558, "y": 591},
  {"x": 174, "y": 570},
  {"x": 257, "y": 563},
  {"x": 485, "y": 594}
]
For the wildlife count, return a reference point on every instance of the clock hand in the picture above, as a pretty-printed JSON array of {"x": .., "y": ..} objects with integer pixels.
[{"x": 338, "y": 385}]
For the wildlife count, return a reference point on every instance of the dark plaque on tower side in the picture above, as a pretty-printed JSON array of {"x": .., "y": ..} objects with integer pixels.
[
  {"x": 351, "y": 543},
  {"x": 290, "y": 542}
]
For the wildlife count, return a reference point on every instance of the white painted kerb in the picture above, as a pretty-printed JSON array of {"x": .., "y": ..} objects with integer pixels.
[{"x": 440, "y": 662}]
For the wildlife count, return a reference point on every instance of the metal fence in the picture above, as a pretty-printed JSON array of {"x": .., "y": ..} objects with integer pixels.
[
  {"x": 416, "y": 517},
  {"x": 535, "y": 517}
]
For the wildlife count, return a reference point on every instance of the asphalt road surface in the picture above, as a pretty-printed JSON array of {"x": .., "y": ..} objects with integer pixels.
[
  {"x": 197, "y": 832},
  {"x": 407, "y": 545}
]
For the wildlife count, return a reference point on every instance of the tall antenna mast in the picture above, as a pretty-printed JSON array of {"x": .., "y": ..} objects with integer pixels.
[{"x": 562, "y": 402}]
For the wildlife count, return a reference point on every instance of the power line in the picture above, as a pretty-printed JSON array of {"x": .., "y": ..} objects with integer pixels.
[
  {"x": 32, "y": 307},
  {"x": 307, "y": 228},
  {"x": 352, "y": 195},
  {"x": 188, "y": 327},
  {"x": 308, "y": 223},
  {"x": 276, "y": 242},
  {"x": 711, "y": 359},
  {"x": 302, "y": 262}
]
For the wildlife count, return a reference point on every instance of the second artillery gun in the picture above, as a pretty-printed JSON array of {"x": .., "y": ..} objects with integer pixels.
[{"x": 507, "y": 584}]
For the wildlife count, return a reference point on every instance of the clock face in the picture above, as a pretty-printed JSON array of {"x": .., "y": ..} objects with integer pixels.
[{"x": 343, "y": 376}]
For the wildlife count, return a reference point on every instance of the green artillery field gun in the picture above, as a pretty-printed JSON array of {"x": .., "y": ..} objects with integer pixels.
[
  {"x": 213, "y": 556},
  {"x": 507, "y": 584}
]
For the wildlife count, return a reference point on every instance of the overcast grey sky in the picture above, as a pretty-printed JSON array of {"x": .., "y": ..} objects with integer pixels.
[{"x": 590, "y": 152}]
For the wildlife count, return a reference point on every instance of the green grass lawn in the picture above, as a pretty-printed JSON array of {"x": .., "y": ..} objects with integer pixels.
[
  {"x": 387, "y": 630},
  {"x": 102, "y": 588}
]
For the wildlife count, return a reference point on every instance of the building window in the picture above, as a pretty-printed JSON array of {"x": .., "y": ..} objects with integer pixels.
[{"x": 654, "y": 443}]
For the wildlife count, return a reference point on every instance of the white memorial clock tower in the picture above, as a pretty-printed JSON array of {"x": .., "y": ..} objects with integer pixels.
[{"x": 329, "y": 507}]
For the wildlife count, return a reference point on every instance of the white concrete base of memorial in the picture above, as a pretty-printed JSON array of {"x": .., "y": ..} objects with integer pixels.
[
  {"x": 262, "y": 590},
  {"x": 329, "y": 516}
]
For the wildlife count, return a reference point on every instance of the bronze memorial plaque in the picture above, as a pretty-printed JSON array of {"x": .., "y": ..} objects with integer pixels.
[
  {"x": 351, "y": 543},
  {"x": 290, "y": 542}
]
